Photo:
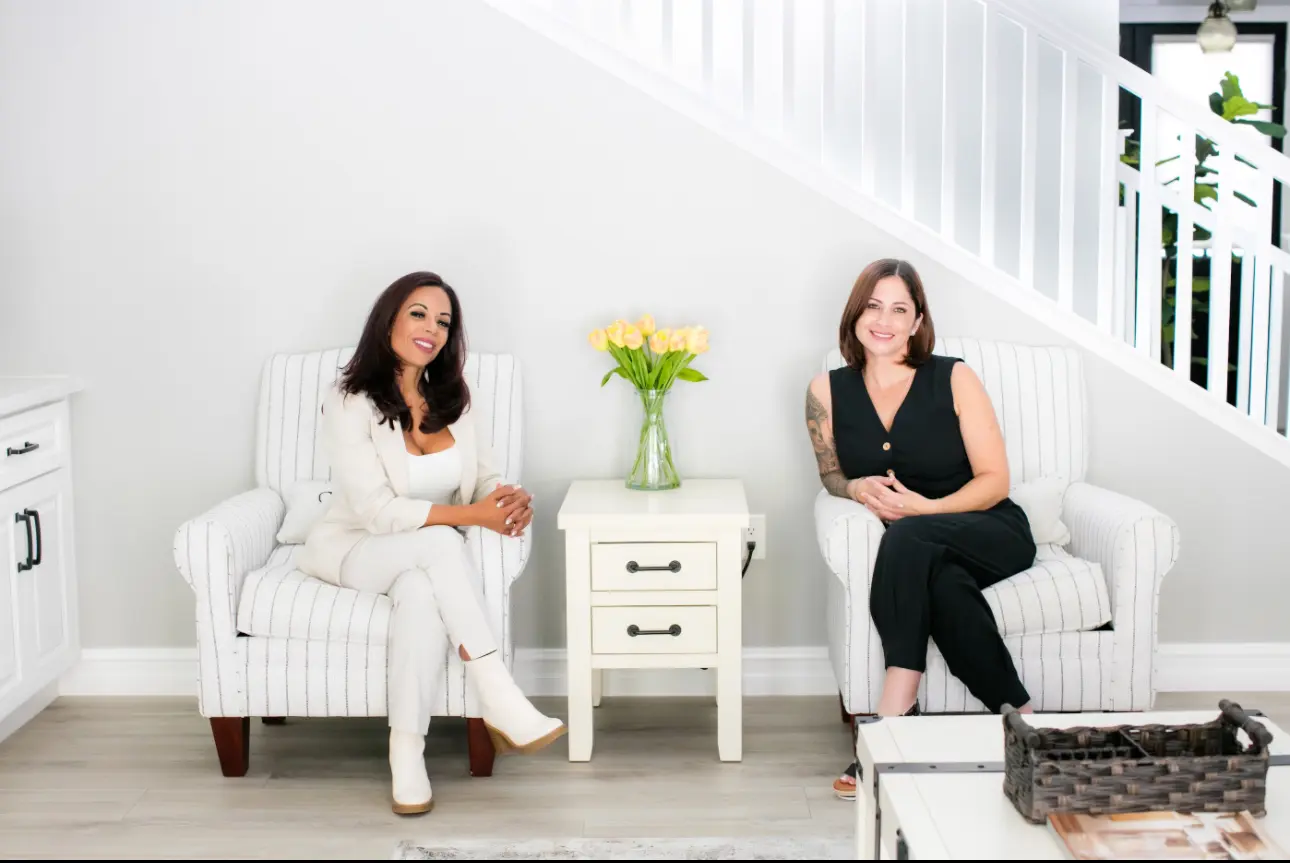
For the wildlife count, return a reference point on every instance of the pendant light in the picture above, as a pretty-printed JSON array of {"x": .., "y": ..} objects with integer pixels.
[{"x": 1217, "y": 33}]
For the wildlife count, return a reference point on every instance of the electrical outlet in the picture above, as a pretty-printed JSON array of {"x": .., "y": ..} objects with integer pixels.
[{"x": 756, "y": 532}]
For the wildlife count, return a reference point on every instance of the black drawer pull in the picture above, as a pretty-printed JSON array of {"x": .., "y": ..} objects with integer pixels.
[
  {"x": 27, "y": 446},
  {"x": 633, "y": 566},
  {"x": 35, "y": 542},
  {"x": 673, "y": 630}
]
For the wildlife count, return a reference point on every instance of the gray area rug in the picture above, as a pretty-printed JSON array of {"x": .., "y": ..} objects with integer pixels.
[{"x": 717, "y": 848}]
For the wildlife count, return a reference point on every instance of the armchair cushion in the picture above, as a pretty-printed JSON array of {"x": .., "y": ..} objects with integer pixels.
[
  {"x": 1059, "y": 593},
  {"x": 280, "y": 601}
]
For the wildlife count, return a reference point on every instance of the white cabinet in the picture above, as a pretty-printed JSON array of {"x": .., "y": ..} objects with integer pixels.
[{"x": 38, "y": 613}]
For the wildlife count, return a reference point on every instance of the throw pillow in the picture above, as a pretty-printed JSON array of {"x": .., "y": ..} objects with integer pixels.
[
  {"x": 1041, "y": 500},
  {"x": 307, "y": 501}
]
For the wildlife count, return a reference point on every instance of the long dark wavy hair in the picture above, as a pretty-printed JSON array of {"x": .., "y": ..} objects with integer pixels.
[{"x": 374, "y": 369}]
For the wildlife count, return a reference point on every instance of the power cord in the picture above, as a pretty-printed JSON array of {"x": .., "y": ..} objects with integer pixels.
[{"x": 752, "y": 546}]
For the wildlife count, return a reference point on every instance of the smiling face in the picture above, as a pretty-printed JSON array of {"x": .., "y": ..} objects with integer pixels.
[
  {"x": 888, "y": 319},
  {"x": 422, "y": 326}
]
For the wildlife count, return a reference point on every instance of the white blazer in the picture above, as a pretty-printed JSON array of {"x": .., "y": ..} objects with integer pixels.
[{"x": 369, "y": 475}]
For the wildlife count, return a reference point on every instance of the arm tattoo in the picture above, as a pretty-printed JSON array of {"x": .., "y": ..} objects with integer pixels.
[{"x": 826, "y": 456}]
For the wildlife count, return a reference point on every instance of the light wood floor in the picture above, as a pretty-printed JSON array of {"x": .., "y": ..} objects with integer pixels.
[{"x": 137, "y": 777}]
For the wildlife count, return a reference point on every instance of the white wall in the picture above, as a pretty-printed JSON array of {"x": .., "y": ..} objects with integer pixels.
[{"x": 186, "y": 188}]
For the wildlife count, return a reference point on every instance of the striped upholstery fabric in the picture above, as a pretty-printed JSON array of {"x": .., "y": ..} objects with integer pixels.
[
  {"x": 273, "y": 641},
  {"x": 1111, "y": 572}
]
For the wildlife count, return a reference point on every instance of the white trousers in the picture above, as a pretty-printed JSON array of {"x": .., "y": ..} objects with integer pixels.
[{"x": 427, "y": 573}]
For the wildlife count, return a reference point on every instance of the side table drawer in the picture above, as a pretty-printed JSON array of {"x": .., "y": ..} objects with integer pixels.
[
  {"x": 695, "y": 628},
  {"x": 654, "y": 566}
]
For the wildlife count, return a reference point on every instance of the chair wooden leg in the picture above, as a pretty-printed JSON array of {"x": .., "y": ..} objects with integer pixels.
[
  {"x": 232, "y": 743},
  {"x": 481, "y": 747},
  {"x": 274, "y": 720}
]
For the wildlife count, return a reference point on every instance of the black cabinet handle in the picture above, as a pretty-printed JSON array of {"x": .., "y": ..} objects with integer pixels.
[
  {"x": 27, "y": 446},
  {"x": 40, "y": 537},
  {"x": 633, "y": 566},
  {"x": 24, "y": 518},
  {"x": 673, "y": 630}
]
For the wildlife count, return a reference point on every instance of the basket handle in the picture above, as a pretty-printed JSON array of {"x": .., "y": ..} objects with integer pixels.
[
  {"x": 1259, "y": 734},
  {"x": 1024, "y": 732}
]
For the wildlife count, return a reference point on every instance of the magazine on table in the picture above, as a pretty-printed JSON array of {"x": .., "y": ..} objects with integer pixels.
[{"x": 1165, "y": 836}]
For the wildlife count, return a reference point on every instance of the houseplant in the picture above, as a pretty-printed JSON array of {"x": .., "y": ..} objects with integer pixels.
[{"x": 651, "y": 360}]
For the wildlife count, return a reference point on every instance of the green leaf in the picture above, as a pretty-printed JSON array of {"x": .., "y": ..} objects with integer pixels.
[
  {"x": 692, "y": 375},
  {"x": 1205, "y": 190},
  {"x": 1216, "y": 103},
  {"x": 1240, "y": 197},
  {"x": 1231, "y": 87},
  {"x": 616, "y": 370},
  {"x": 1275, "y": 130},
  {"x": 1238, "y": 106}
]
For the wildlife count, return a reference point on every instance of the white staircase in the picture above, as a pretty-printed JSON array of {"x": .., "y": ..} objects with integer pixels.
[{"x": 987, "y": 138}]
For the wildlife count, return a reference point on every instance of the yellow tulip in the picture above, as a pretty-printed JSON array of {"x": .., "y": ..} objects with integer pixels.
[
  {"x": 632, "y": 338},
  {"x": 659, "y": 341},
  {"x": 680, "y": 338},
  {"x": 599, "y": 340},
  {"x": 646, "y": 325},
  {"x": 614, "y": 332},
  {"x": 697, "y": 341}
]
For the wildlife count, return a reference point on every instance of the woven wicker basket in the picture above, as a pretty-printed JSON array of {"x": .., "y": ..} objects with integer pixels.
[{"x": 1136, "y": 768}]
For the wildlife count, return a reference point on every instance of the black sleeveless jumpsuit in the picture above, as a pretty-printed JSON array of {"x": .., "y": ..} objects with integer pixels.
[{"x": 931, "y": 569}]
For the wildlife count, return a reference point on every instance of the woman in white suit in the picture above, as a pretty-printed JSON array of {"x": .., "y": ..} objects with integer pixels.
[{"x": 409, "y": 469}]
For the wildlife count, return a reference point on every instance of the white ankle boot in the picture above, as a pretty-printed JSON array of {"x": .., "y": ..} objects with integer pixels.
[
  {"x": 412, "y": 795},
  {"x": 512, "y": 721}
]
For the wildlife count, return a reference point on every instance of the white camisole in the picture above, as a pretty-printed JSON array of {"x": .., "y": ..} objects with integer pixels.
[{"x": 435, "y": 477}]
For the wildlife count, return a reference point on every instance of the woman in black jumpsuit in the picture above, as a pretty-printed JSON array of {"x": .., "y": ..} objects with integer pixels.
[{"x": 938, "y": 553}]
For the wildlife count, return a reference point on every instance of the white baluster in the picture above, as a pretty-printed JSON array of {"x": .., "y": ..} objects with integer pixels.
[
  {"x": 949, "y": 128},
  {"x": 1220, "y": 275},
  {"x": 1066, "y": 197},
  {"x": 989, "y": 131},
  {"x": 1245, "y": 328},
  {"x": 906, "y": 113},
  {"x": 1261, "y": 324},
  {"x": 1107, "y": 203},
  {"x": 1186, "y": 249},
  {"x": 1147, "y": 312},
  {"x": 1029, "y": 155}
]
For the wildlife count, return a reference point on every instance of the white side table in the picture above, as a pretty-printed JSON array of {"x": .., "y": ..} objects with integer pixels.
[{"x": 653, "y": 581}]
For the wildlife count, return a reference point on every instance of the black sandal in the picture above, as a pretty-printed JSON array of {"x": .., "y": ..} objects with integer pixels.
[{"x": 847, "y": 790}]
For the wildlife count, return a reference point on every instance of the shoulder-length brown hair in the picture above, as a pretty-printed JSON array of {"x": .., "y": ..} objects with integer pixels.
[{"x": 922, "y": 341}]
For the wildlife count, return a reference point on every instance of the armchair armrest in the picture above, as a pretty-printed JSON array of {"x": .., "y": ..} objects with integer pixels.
[
  {"x": 849, "y": 535},
  {"x": 1135, "y": 544},
  {"x": 215, "y": 551}
]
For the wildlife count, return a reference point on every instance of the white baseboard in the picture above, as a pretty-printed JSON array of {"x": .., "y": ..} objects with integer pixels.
[
  {"x": 1220, "y": 667},
  {"x": 133, "y": 671},
  {"x": 1180, "y": 667}
]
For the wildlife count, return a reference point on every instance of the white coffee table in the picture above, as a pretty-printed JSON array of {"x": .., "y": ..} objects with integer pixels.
[
  {"x": 935, "y": 745},
  {"x": 965, "y": 816}
]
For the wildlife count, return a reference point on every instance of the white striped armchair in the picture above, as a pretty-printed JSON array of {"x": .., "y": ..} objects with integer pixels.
[
  {"x": 273, "y": 642},
  {"x": 1080, "y": 623}
]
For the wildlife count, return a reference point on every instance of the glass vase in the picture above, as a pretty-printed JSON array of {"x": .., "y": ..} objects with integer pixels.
[{"x": 653, "y": 469}]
